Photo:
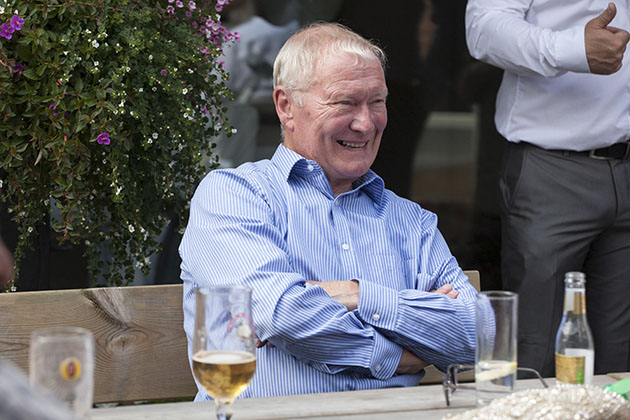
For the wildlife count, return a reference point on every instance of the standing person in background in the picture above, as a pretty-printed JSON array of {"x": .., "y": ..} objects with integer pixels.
[{"x": 564, "y": 107}]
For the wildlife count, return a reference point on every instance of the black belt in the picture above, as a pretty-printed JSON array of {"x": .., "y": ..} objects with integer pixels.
[{"x": 616, "y": 151}]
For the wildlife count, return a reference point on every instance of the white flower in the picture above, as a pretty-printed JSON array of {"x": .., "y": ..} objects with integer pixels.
[
  {"x": 190, "y": 71},
  {"x": 154, "y": 135},
  {"x": 234, "y": 131},
  {"x": 30, "y": 229},
  {"x": 66, "y": 52},
  {"x": 79, "y": 59},
  {"x": 153, "y": 88},
  {"x": 131, "y": 228},
  {"x": 185, "y": 114},
  {"x": 150, "y": 141},
  {"x": 150, "y": 56},
  {"x": 128, "y": 69},
  {"x": 184, "y": 91},
  {"x": 1, "y": 10},
  {"x": 96, "y": 64},
  {"x": 87, "y": 31},
  {"x": 95, "y": 44},
  {"x": 140, "y": 90}
]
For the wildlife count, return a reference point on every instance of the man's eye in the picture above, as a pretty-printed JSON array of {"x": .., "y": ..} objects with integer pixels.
[{"x": 344, "y": 103}]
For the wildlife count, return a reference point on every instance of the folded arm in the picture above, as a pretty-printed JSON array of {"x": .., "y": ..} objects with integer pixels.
[{"x": 434, "y": 321}]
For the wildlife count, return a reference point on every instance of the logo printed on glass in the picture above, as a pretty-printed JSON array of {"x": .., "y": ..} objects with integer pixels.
[{"x": 70, "y": 369}]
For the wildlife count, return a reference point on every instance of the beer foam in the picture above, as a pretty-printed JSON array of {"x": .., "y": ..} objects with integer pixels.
[{"x": 223, "y": 357}]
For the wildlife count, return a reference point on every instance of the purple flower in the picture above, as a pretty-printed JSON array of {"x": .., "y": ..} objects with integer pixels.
[
  {"x": 179, "y": 4},
  {"x": 170, "y": 9},
  {"x": 192, "y": 5},
  {"x": 18, "y": 69},
  {"x": 6, "y": 31},
  {"x": 218, "y": 8},
  {"x": 17, "y": 22},
  {"x": 188, "y": 14},
  {"x": 163, "y": 72},
  {"x": 171, "y": 1},
  {"x": 103, "y": 138}
]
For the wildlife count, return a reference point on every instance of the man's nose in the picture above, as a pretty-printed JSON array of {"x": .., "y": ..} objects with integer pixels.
[{"x": 363, "y": 119}]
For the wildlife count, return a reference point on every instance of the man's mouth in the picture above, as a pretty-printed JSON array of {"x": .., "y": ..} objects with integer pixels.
[{"x": 352, "y": 145}]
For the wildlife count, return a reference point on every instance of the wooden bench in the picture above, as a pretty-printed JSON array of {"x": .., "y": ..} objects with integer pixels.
[{"x": 141, "y": 348}]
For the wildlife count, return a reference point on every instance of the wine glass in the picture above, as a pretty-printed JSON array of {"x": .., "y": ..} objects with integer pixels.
[{"x": 224, "y": 346}]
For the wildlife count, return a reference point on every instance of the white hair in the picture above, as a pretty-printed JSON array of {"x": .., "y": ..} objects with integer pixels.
[{"x": 295, "y": 67}]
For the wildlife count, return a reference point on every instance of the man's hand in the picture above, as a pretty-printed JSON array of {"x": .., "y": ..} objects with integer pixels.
[
  {"x": 410, "y": 363},
  {"x": 605, "y": 45},
  {"x": 345, "y": 292},
  {"x": 447, "y": 290}
]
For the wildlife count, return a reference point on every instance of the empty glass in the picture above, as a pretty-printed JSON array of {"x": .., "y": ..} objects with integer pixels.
[{"x": 62, "y": 364}]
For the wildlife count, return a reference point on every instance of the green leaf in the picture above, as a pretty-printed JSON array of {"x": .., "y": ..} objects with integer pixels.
[{"x": 30, "y": 74}]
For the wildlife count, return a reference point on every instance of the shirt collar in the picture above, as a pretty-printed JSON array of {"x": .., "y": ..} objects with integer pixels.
[{"x": 290, "y": 162}]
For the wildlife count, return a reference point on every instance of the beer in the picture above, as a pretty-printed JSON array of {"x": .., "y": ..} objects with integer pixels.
[
  {"x": 574, "y": 341},
  {"x": 224, "y": 374},
  {"x": 494, "y": 379}
]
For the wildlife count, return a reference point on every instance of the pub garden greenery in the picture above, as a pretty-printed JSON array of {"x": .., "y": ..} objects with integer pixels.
[{"x": 107, "y": 112}]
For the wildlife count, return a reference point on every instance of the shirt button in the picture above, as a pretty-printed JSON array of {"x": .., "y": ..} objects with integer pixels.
[
  {"x": 345, "y": 247},
  {"x": 376, "y": 317},
  {"x": 377, "y": 368},
  {"x": 310, "y": 167}
]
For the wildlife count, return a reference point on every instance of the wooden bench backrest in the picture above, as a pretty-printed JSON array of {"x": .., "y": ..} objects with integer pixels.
[{"x": 140, "y": 351}]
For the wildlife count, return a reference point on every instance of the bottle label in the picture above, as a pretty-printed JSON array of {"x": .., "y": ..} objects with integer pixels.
[{"x": 570, "y": 369}]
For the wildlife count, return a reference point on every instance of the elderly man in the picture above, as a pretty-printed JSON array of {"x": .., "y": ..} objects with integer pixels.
[{"x": 353, "y": 286}]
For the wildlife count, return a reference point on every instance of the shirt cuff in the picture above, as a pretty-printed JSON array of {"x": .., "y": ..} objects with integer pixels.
[
  {"x": 378, "y": 305},
  {"x": 570, "y": 50},
  {"x": 385, "y": 357}
]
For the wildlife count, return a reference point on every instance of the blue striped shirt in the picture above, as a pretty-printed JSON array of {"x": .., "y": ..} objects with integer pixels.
[{"x": 274, "y": 224}]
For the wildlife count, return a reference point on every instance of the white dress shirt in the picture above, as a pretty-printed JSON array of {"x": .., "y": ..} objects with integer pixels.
[{"x": 548, "y": 96}]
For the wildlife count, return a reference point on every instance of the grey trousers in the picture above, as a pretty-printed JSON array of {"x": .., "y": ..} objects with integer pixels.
[{"x": 563, "y": 211}]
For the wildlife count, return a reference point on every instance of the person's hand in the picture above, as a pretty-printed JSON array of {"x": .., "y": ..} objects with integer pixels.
[
  {"x": 410, "y": 363},
  {"x": 6, "y": 265},
  {"x": 447, "y": 290},
  {"x": 345, "y": 292},
  {"x": 605, "y": 45}
]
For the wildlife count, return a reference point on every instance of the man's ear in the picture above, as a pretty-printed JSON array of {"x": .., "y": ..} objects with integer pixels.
[{"x": 284, "y": 103}]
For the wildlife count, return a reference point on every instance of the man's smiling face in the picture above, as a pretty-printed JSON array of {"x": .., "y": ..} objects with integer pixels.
[{"x": 342, "y": 119}]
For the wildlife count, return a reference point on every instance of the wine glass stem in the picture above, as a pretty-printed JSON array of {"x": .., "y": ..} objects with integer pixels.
[{"x": 224, "y": 410}]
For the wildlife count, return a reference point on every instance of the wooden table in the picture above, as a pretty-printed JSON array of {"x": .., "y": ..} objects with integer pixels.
[{"x": 425, "y": 402}]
